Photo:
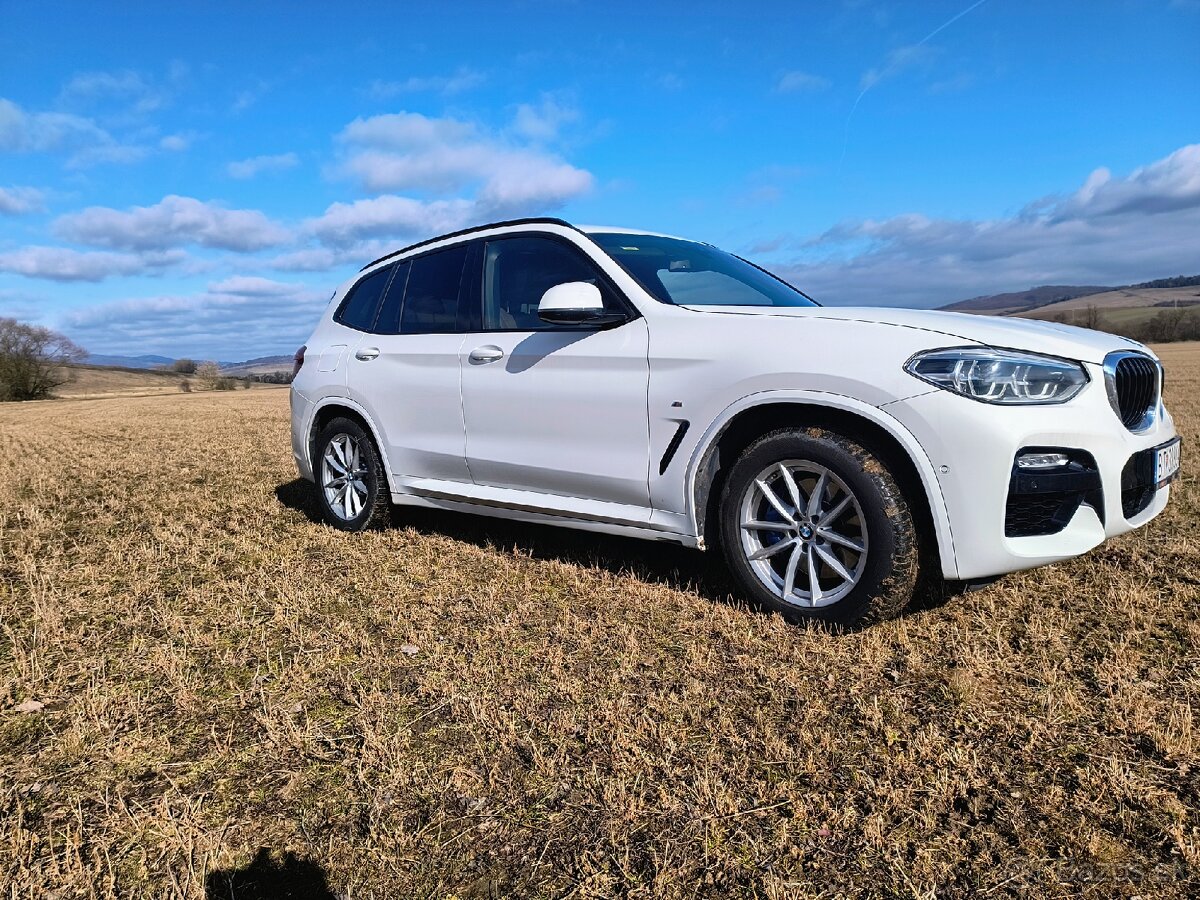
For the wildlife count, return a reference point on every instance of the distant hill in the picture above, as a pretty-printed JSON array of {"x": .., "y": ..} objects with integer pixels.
[
  {"x": 261, "y": 365},
  {"x": 1176, "y": 282},
  {"x": 1122, "y": 299},
  {"x": 1059, "y": 296},
  {"x": 1166, "y": 309},
  {"x": 258, "y": 366},
  {"x": 1018, "y": 302},
  {"x": 146, "y": 361}
]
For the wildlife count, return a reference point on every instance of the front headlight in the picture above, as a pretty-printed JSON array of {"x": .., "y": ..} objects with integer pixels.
[{"x": 1009, "y": 377}]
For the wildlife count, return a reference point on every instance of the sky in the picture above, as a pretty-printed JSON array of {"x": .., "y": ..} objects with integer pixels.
[{"x": 195, "y": 179}]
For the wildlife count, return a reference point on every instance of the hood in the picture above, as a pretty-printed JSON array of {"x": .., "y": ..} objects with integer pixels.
[{"x": 1066, "y": 341}]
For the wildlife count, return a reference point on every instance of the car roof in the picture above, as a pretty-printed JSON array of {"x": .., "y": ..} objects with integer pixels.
[
  {"x": 616, "y": 229},
  {"x": 546, "y": 220}
]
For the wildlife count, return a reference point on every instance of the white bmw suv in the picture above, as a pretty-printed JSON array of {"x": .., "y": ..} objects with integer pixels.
[{"x": 639, "y": 384}]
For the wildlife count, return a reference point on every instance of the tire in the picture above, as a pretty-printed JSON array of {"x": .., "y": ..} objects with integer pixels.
[
  {"x": 860, "y": 537},
  {"x": 366, "y": 502}
]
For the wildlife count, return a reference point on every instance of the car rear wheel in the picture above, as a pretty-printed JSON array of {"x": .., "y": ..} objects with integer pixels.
[
  {"x": 815, "y": 527},
  {"x": 351, "y": 487}
]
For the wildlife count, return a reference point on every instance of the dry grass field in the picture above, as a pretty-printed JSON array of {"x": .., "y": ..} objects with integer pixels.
[
  {"x": 91, "y": 382},
  {"x": 205, "y": 694},
  {"x": 108, "y": 382}
]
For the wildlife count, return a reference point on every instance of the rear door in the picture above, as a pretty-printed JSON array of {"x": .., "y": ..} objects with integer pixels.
[
  {"x": 557, "y": 410},
  {"x": 405, "y": 372}
]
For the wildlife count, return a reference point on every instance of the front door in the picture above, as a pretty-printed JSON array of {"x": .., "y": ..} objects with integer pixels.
[{"x": 555, "y": 410}]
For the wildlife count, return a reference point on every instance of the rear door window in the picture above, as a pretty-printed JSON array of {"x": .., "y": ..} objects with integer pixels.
[{"x": 431, "y": 295}]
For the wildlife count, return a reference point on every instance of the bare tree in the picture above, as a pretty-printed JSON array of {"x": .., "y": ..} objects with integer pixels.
[
  {"x": 1092, "y": 318},
  {"x": 184, "y": 366},
  {"x": 33, "y": 360},
  {"x": 209, "y": 375}
]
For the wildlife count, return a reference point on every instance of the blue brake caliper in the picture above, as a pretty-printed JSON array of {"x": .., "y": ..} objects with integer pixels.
[{"x": 771, "y": 514}]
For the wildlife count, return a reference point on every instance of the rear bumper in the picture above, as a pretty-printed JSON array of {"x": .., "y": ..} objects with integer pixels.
[
  {"x": 302, "y": 411},
  {"x": 973, "y": 446}
]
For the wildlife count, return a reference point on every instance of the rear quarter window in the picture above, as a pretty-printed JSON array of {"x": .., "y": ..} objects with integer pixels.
[{"x": 361, "y": 305}]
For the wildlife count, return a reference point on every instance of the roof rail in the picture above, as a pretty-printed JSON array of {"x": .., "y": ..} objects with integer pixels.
[{"x": 537, "y": 220}]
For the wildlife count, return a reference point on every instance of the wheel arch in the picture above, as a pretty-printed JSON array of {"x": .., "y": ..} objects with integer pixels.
[
  {"x": 333, "y": 407},
  {"x": 748, "y": 419}
]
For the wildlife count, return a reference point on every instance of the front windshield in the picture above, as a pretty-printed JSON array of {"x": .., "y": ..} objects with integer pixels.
[{"x": 689, "y": 274}]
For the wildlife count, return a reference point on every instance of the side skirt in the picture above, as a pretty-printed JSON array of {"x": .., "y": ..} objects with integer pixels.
[{"x": 537, "y": 517}]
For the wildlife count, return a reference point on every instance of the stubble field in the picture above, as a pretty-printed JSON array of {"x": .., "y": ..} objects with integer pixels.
[{"x": 203, "y": 693}]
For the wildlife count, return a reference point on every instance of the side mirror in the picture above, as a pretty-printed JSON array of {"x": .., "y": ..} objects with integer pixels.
[{"x": 576, "y": 303}]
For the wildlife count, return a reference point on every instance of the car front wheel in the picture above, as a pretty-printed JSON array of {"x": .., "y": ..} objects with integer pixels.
[
  {"x": 352, "y": 491},
  {"x": 815, "y": 527}
]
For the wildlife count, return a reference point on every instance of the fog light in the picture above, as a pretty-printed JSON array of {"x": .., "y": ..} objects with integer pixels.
[{"x": 1042, "y": 460}]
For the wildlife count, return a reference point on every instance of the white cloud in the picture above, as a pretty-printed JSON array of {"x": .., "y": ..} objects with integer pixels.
[
  {"x": 119, "y": 154},
  {"x": 405, "y": 131},
  {"x": 543, "y": 123},
  {"x": 250, "y": 96},
  {"x": 1112, "y": 230},
  {"x": 463, "y": 79},
  {"x": 63, "y": 264},
  {"x": 1169, "y": 184},
  {"x": 796, "y": 82},
  {"x": 312, "y": 259},
  {"x": 46, "y": 132},
  {"x": 257, "y": 165},
  {"x": 409, "y": 151},
  {"x": 253, "y": 286},
  {"x": 527, "y": 182},
  {"x": 173, "y": 222},
  {"x": 16, "y": 201},
  {"x": 25, "y": 132},
  {"x": 176, "y": 143},
  {"x": 344, "y": 224},
  {"x": 126, "y": 87},
  {"x": 23, "y": 306},
  {"x": 219, "y": 323}
]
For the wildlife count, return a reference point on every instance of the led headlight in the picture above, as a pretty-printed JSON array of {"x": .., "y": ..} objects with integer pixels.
[{"x": 1009, "y": 377}]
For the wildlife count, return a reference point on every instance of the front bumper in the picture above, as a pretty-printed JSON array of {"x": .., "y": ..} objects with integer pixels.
[{"x": 973, "y": 446}]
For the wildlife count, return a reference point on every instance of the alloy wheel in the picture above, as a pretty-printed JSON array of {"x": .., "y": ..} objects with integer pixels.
[
  {"x": 343, "y": 477},
  {"x": 803, "y": 533}
]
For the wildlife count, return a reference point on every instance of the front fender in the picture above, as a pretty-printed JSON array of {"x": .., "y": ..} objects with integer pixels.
[{"x": 702, "y": 455}]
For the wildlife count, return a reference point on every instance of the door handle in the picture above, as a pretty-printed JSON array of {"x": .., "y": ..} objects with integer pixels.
[
  {"x": 486, "y": 354},
  {"x": 366, "y": 354}
]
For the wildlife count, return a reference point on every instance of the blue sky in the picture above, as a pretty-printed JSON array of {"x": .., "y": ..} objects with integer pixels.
[{"x": 195, "y": 179}]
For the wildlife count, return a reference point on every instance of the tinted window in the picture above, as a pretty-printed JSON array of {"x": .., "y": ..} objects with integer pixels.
[
  {"x": 431, "y": 297},
  {"x": 359, "y": 307},
  {"x": 388, "y": 321},
  {"x": 517, "y": 271}
]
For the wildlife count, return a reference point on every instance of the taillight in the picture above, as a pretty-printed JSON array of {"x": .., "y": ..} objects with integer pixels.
[{"x": 298, "y": 361}]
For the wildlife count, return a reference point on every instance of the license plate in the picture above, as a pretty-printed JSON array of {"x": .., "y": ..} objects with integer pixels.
[{"x": 1166, "y": 462}]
